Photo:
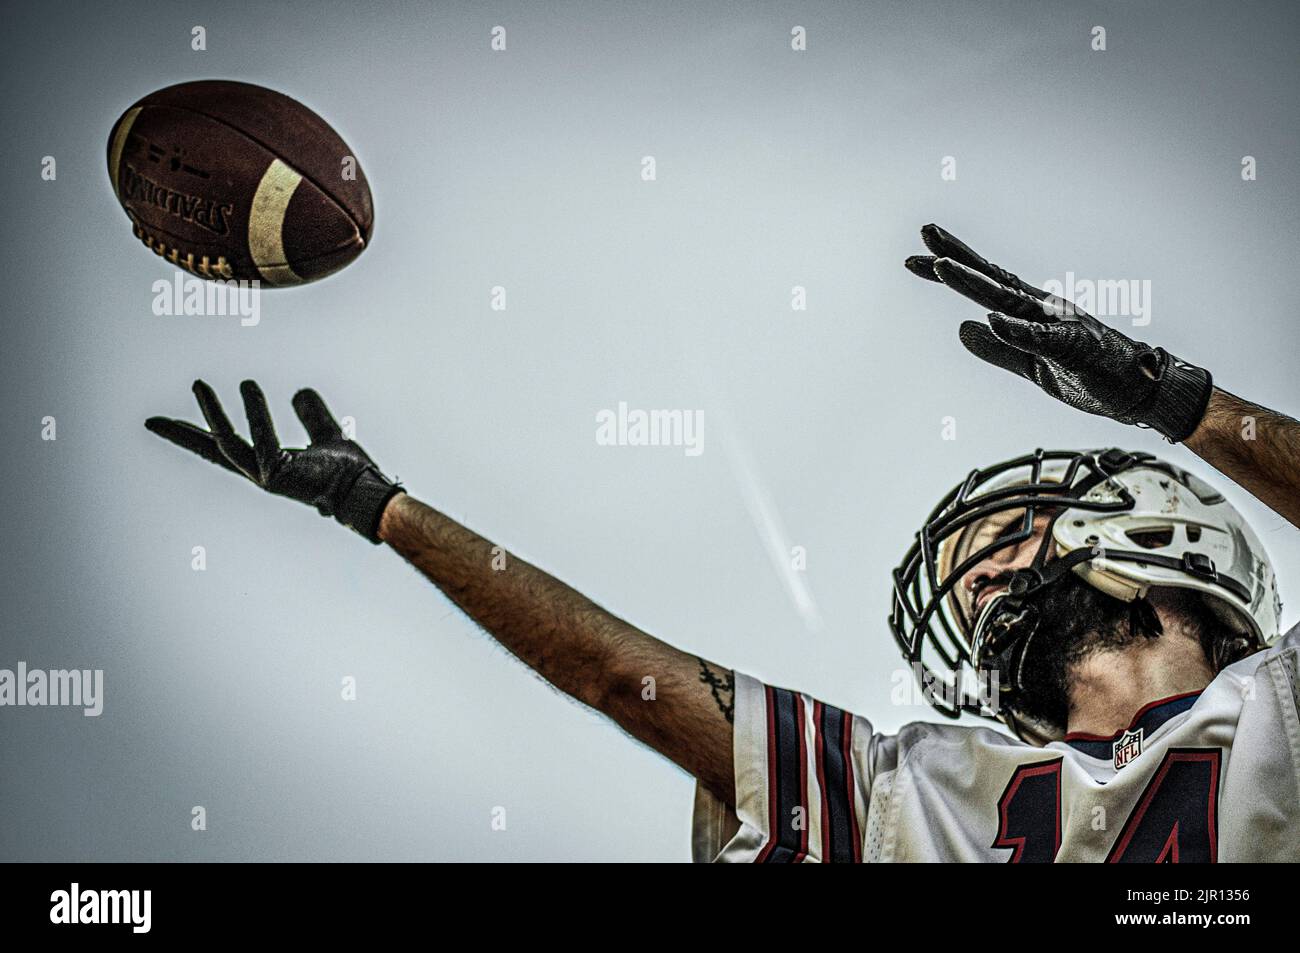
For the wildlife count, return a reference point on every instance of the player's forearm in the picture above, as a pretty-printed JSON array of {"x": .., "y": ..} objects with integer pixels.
[
  {"x": 1254, "y": 446},
  {"x": 658, "y": 694}
]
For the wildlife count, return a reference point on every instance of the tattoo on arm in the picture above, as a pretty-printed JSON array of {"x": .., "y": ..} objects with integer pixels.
[{"x": 723, "y": 687}]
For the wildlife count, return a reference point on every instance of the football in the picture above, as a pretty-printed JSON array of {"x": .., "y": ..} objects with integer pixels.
[{"x": 232, "y": 181}]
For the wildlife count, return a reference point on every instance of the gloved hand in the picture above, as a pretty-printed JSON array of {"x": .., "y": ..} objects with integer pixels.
[
  {"x": 1063, "y": 349},
  {"x": 333, "y": 474}
]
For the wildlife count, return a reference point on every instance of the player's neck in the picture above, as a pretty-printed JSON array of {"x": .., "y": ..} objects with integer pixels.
[{"x": 1110, "y": 687}]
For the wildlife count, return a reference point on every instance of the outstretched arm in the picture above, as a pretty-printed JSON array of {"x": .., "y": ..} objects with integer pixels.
[
  {"x": 1255, "y": 447},
  {"x": 583, "y": 650},
  {"x": 678, "y": 704}
]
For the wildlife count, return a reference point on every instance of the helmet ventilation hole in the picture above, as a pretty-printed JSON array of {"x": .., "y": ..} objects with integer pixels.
[{"x": 1152, "y": 537}]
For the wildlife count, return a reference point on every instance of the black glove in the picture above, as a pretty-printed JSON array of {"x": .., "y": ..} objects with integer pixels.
[
  {"x": 1064, "y": 350},
  {"x": 332, "y": 474}
]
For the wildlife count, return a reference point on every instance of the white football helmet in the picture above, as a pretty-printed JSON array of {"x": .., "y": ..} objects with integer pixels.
[{"x": 1123, "y": 521}]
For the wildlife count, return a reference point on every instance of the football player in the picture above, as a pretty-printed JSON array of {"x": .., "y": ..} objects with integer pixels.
[{"x": 1113, "y": 611}]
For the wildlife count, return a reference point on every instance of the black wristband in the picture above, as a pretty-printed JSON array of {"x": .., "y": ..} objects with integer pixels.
[
  {"x": 1180, "y": 399},
  {"x": 365, "y": 501}
]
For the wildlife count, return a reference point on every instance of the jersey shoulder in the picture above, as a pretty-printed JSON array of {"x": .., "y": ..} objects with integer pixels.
[{"x": 1277, "y": 665}]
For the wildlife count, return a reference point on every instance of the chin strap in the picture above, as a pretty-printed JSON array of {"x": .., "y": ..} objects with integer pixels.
[{"x": 1025, "y": 582}]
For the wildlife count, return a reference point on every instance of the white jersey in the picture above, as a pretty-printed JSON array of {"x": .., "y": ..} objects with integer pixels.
[{"x": 1212, "y": 776}]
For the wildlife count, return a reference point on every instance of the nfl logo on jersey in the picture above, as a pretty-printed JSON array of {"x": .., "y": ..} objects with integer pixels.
[{"x": 1128, "y": 747}]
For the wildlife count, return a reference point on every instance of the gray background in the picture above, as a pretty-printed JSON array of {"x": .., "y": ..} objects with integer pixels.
[{"x": 822, "y": 428}]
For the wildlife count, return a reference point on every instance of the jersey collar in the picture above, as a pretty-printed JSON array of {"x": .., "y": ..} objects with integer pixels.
[{"x": 1148, "y": 719}]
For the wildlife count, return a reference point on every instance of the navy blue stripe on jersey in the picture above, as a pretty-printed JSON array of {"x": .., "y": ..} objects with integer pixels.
[
  {"x": 787, "y": 772},
  {"x": 839, "y": 822},
  {"x": 1149, "y": 718}
]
